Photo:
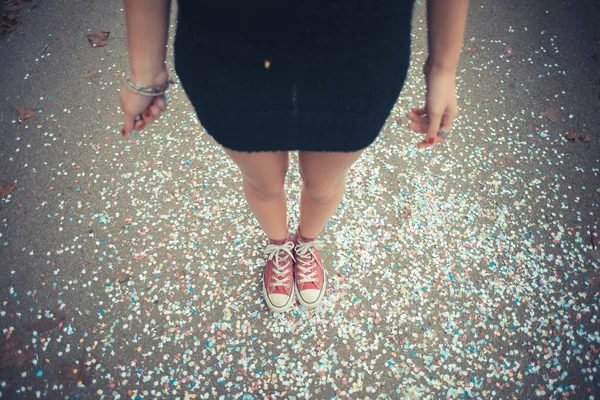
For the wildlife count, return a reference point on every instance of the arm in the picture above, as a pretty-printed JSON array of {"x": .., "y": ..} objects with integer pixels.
[
  {"x": 147, "y": 36},
  {"x": 446, "y": 21}
]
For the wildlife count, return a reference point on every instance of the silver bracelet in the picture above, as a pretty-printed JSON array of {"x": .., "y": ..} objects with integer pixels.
[{"x": 149, "y": 91}]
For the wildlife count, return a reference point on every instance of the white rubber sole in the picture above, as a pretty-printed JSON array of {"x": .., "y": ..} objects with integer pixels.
[
  {"x": 274, "y": 308},
  {"x": 317, "y": 302}
]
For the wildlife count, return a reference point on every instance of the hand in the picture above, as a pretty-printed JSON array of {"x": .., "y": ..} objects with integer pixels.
[
  {"x": 440, "y": 105},
  {"x": 147, "y": 108}
]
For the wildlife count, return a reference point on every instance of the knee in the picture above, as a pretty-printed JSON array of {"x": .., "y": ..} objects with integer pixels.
[
  {"x": 323, "y": 192},
  {"x": 266, "y": 190}
]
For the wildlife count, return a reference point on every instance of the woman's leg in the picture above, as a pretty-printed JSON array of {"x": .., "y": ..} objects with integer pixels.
[
  {"x": 263, "y": 182},
  {"x": 324, "y": 178}
]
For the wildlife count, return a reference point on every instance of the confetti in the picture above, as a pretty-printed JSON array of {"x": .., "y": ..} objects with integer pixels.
[{"x": 132, "y": 265}]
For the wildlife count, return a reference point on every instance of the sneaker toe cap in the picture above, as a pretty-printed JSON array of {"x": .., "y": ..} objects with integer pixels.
[
  {"x": 310, "y": 295},
  {"x": 279, "y": 300}
]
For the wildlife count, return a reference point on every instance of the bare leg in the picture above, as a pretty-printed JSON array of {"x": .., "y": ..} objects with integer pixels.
[
  {"x": 324, "y": 177},
  {"x": 263, "y": 182}
]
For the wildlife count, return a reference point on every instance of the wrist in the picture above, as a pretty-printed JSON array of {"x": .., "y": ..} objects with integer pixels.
[
  {"x": 446, "y": 66},
  {"x": 149, "y": 77}
]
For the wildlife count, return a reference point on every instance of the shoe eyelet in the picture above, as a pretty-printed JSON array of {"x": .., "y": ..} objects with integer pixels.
[
  {"x": 287, "y": 285},
  {"x": 271, "y": 284},
  {"x": 317, "y": 279}
]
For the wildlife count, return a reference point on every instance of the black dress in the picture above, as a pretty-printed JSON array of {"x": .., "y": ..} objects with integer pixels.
[{"x": 313, "y": 75}]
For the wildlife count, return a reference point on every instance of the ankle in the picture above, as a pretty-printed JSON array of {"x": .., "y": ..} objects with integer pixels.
[
  {"x": 304, "y": 238},
  {"x": 279, "y": 241}
]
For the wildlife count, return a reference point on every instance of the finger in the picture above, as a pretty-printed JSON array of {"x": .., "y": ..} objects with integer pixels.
[
  {"x": 447, "y": 122},
  {"x": 154, "y": 110},
  {"x": 419, "y": 111},
  {"x": 435, "y": 120},
  {"x": 128, "y": 123},
  {"x": 419, "y": 119},
  {"x": 418, "y": 128},
  {"x": 139, "y": 125},
  {"x": 161, "y": 103},
  {"x": 449, "y": 119},
  {"x": 147, "y": 117}
]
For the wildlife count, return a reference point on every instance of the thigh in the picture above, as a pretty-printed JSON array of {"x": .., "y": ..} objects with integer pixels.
[
  {"x": 266, "y": 170},
  {"x": 321, "y": 171}
]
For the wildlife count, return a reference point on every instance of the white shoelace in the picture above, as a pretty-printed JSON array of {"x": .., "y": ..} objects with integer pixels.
[
  {"x": 280, "y": 253},
  {"x": 307, "y": 259}
]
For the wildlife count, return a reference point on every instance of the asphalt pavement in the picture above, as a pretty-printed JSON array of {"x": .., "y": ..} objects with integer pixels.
[{"x": 130, "y": 267}]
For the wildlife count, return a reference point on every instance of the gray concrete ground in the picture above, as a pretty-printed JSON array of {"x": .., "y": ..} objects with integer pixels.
[{"x": 131, "y": 266}]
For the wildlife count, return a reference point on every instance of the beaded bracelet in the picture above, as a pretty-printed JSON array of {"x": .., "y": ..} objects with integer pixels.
[{"x": 149, "y": 91}]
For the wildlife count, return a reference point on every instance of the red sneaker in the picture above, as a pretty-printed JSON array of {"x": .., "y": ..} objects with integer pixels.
[
  {"x": 310, "y": 278},
  {"x": 277, "y": 286}
]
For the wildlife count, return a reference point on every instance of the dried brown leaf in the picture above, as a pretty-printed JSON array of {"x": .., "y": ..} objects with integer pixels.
[
  {"x": 8, "y": 17},
  {"x": 13, "y": 6},
  {"x": 6, "y": 25},
  {"x": 91, "y": 359},
  {"x": 79, "y": 371},
  {"x": 98, "y": 38},
  {"x": 508, "y": 51},
  {"x": 14, "y": 355},
  {"x": 122, "y": 278},
  {"x": 92, "y": 73},
  {"x": 551, "y": 114},
  {"x": 46, "y": 324},
  {"x": 21, "y": 357},
  {"x": 25, "y": 113},
  {"x": 69, "y": 371},
  {"x": 6, "y": 189},
  {"x": 472, "y": 48},
  {"x": 572, "y": 135},
  {"x": 406, "y": 213}
]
